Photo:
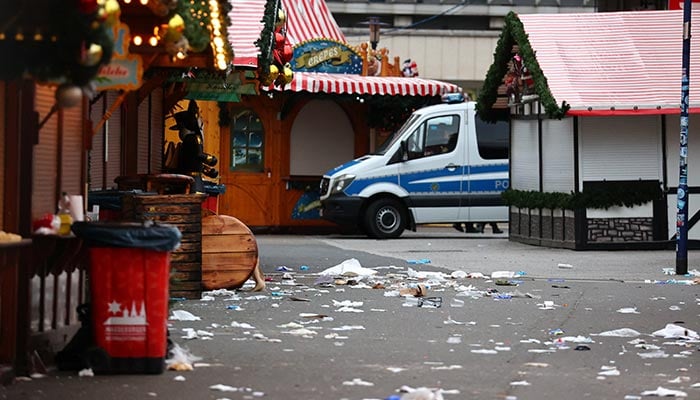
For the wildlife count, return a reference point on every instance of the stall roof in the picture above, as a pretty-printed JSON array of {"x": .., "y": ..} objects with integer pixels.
[
  {"x": 601, "y": 63},
  {"x": 306, "y": 20},
  {"x": 309, "y": 20},
  {"x": 371, "y": 85}
]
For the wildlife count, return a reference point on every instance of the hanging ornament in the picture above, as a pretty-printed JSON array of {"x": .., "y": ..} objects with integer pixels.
[
  {"x": 87, "y": 7},
  {"x": 68, "y": 95},
  {"x": 274, "y": 72},
  {"x": 281, "y": 18},
  {"x": 91, "y": 55},
  {"x": 288, "y": 73},
  {"x": 287, "y": 53}
]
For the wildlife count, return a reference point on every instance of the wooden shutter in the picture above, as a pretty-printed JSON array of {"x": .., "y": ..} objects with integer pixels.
[
  {"x": 45, "y": 155},
  {"x": 96, "y": 155},
  {"x": 157, "y": 135},
  {"x": 72, "y": 151},
  {"x": 143, "y": 137},
  {"x": 113, "y": 139}
]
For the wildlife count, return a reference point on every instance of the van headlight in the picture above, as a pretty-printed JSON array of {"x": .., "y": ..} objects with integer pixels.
[{"x": 341, "y": 183}]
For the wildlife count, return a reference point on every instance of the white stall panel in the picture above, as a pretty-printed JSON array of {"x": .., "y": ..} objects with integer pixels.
[{"x": 524, "y": 156}]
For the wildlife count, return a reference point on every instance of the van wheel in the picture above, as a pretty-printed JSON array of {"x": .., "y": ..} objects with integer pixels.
[{"x": 385, "y": 219}]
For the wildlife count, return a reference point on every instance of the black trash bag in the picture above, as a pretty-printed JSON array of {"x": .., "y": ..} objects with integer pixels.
[
  {"x": 73, "y": 355},
  {"x": 159, "y": 237}
]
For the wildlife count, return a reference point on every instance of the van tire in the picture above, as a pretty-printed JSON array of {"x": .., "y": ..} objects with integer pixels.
[{"x": 385, "y": 219}]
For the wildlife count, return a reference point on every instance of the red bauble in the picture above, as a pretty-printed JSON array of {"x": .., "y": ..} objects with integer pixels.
[
  {"x": 87, "y": 6},
  {"x": 287, "y": 53},
  {"x": 279, "y": 40}
]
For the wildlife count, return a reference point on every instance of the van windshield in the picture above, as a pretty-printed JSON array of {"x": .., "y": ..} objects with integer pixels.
[{"x": 394, "y": 137}]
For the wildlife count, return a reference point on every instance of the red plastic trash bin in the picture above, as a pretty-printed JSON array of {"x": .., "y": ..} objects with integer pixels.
[{"x": 129, "y": 273}]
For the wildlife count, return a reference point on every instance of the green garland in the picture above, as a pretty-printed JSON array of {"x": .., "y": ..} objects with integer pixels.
[
  {"x": 514, "y": 33},
  {"x": 615, "y": 194},
  {"x": 55, "y": 55},
  {"x": 265, "y": 43}
]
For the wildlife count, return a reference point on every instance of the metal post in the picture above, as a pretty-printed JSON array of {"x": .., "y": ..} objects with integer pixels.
[{"x": 682, "y": 217}]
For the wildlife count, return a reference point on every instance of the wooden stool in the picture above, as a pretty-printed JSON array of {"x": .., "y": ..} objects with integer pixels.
[{"x": 229, "y": 254}]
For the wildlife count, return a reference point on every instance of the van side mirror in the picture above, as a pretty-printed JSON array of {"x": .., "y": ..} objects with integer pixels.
[{"x": 403, "y": 151}]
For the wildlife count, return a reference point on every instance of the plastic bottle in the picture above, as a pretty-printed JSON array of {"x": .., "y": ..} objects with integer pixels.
[{"x": 64, "y": 214}]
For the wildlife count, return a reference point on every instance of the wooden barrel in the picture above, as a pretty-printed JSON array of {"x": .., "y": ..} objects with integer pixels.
[{"x": 229, "y": 252}]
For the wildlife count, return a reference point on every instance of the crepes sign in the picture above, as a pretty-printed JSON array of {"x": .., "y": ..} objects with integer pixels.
[{"x": 326, "y": 56}]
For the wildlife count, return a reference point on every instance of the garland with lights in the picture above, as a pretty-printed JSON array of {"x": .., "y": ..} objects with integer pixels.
[
  {"x": 197, "y": 18},
  {"x": 68, "y": 42},
  {"x": 514, "y": 33}
]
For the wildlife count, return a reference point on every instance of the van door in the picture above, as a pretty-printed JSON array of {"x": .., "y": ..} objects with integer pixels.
[
  {"x": 486, "y": 171},
  {"x": 433, "y": 173}
]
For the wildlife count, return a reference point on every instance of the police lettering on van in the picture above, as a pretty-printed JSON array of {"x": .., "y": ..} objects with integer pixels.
[{"x": 444, "y": 165}]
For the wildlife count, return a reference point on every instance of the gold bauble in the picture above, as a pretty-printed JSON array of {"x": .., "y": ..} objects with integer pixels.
[
  {"x": 91, "y": 56},
  {"x": 274, "y": 72},
  {"x": 281, "y": 18},
  {"x": 288, "y": 74}
]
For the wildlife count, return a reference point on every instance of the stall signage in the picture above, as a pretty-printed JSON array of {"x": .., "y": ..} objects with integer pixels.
[
  {"x": 326, "y": 56},
  {"x": 125, "y": 70}
]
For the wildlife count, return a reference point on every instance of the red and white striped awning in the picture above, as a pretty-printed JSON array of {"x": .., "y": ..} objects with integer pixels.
[
  {"x": 615, "y": 62},
  {"x": 306, "y": 20},
  {"x": 314, "y": 82}
]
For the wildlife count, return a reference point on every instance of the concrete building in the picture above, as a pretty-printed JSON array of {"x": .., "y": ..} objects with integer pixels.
[{"x": 453, "y": 40}]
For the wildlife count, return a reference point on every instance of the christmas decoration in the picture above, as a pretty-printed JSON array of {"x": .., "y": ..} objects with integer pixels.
[
  {"x": 514, "y": 34},
  {"x": 275, "y": 49},
  {"x": 409, "y": 68},
  {"x": 70, "y": 43},
  {"x": 68, "y": 95}
]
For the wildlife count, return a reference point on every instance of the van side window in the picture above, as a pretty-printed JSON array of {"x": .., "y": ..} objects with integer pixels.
[
  {"x": 492, "y": 139},
  {"x": 435, "y": 136}
]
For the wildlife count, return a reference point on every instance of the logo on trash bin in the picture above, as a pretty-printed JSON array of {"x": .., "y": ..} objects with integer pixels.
[{"x": 131, "y": 325}]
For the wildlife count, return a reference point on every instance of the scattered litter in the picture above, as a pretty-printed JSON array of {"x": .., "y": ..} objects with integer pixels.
[
  {"x": 223, "y": 388},
  {"x": 296, "y": 298},
  {"x": 357, "y": 382},
  {"x": 654, "y": 354},
  {"x": 395, "y": 369},
  {"x": 182, "y": 315},
  {"x": 421, "y": 393},
  {"x": 303, "y": 332},
  {"x": 348, "y": 328},
  {"x": 458, "y": 275},
  {"x": 180, "y": 359},
  {"x": 424, "y": 302},
  {"x": 622, "y": 332},
  {"x": 179, "y": 378},
  {"x": 283, "y": 268},
  {"x": 536, "y": 364},
  {"x": 457, "y": 303},
  {"x": 607, "y": 370},
  {"x": 450, "y": 321},
  {"x": 673, "y": 331},
  {"x": 565, "y": 266},
  {"x": 304, "y": 268},
  {"x": 506, "y": 274},
  {"x": 628, "y": 310},
  {"x": 454, "y": 340},
  {"x": 663, "y": 392},
  {"x": 582, "y": 347},
  {"x": 86, "y": 372},
  {"x": 417, "y": 291},
  {"x": 546, "y": 305},
  {"x": 234, "y": 307},
  {"x": 420, "y": 261},
  {"x": 242, "y": 325},
  {"x": 520, "y": 383},
  {"x": 484, "y": 351},
  {"x": 439, "y": 276},
  {"x": 350, "y": 267}
]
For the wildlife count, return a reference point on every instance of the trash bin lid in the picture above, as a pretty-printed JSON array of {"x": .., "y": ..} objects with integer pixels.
[{"x": 150, "y": 236}]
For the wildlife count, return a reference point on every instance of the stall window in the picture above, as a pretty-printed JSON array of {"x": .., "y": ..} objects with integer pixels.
[{"x": 247, "y": 142}]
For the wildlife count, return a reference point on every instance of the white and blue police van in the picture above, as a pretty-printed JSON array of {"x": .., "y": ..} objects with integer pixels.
[{"x": 444, "y": 165}]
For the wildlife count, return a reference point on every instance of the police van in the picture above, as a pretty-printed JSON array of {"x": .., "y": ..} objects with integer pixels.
[{"x": 444, "y": 165}]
